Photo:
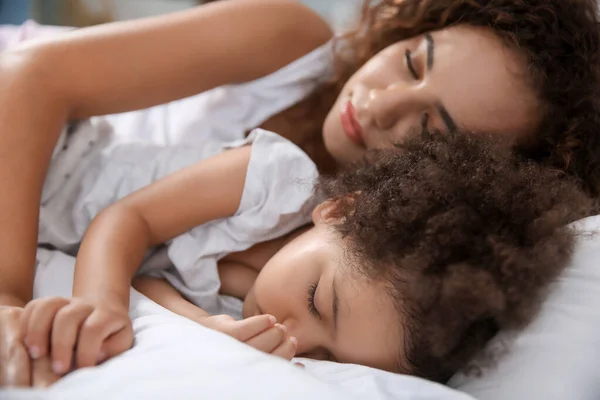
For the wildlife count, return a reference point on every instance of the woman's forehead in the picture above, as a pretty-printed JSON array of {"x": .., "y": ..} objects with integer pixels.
[{"x": 482, "y": 82}]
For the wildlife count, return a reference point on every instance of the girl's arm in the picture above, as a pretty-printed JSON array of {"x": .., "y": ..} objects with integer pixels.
[
  {"x": 120, "y": 67},
  {"x": 95, "y": 323},
  {"x": 119, "y": 237},
  {"x": 161, "y": 292}
]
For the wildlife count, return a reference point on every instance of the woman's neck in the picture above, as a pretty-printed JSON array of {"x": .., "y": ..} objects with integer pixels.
[{"x": 302, "y": 124}]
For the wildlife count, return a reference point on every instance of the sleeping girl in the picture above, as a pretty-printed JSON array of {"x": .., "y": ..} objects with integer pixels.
[{"x": 414, "y": 260}]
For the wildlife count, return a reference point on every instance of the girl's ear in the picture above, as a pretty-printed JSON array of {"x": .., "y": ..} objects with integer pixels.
[
  {"x": 333, "y": 209},
  {"x": 324, "y": 212}
]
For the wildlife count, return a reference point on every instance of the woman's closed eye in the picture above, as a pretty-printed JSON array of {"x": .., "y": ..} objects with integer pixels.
[
  {"x": 411, "y": 65},
  {"x": 424, "y": 122},
  {"x": 312, "y": 290},
  {"x": 413, "y": 71}
]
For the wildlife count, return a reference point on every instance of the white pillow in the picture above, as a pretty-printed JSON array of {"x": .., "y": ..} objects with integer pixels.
[{"x": 557, "y": 356}]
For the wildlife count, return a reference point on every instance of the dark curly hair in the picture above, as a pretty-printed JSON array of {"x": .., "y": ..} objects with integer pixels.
[
  {"x": 561, "y": 43},
  {"x": 465, "y": 234}
]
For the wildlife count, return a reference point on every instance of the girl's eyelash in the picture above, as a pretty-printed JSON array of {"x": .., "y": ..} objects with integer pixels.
[
  {"x": 312, "y": 289},
  {"x": 410, "y": 65}
]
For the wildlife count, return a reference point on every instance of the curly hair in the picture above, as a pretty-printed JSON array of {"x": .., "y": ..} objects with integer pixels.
[
  {"x": 466, "y": 235},
  {"x": 561, "y": 42}
]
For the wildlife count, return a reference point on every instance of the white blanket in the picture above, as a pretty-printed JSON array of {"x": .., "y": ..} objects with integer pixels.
[{"x": 174, "y": 358}]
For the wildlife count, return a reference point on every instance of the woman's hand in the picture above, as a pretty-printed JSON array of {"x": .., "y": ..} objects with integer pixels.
[
  {"x": 75, "y": 328},
  {"x": 15, "y": 369},
  {"x": 261, "y": 332}
]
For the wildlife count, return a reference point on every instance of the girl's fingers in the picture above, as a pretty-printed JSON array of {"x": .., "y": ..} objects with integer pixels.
[
  {"x": 36, "y": 324},
  {"x": 65, "y": 333},
  {"x": 251, "y": 327},
  {"x": 269, "y": 340},
  {"x": 287, "y": 349}
]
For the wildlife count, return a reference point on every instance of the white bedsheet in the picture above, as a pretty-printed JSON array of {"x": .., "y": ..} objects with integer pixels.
[{"x": 174, "y": 358}]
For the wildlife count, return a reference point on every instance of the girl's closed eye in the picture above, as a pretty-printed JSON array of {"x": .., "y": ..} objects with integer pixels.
[{"x": 312, "y": 290}]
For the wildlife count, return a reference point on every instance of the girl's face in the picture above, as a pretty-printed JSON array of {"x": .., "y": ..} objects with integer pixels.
[
  {"x": 334, "y": 312},
  {"x": 457, "y": 77}
]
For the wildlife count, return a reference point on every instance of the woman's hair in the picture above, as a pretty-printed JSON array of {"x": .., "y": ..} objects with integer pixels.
[
  {"x": 561, "y": 42},
  {"x": 465, "y": 234}
]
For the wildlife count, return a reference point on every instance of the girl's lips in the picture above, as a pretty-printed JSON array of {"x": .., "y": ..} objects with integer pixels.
[{"x": 350, "y": 124}]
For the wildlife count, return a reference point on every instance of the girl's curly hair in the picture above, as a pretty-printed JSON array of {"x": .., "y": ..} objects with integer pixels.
[
  {"x": 465, "y": 234},
  {"x": 561, "y": 42}
]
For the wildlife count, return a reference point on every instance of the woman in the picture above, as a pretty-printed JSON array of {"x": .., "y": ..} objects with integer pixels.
[{"x": 493, "y": 66}]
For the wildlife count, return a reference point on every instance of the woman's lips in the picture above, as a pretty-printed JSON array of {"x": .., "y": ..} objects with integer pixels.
[{"x": 351, "y": 125}]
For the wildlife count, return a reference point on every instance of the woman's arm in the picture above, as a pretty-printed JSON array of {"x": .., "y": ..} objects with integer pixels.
[
  {"x": 136, "y": 64},
  {"x": 120, "y": 67}
]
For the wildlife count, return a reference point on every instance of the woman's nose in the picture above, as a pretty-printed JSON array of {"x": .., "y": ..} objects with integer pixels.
[{"x": 390, "y": 105}]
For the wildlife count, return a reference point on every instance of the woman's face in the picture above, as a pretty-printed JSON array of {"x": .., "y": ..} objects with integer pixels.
[{"x": 461, "y": 77}]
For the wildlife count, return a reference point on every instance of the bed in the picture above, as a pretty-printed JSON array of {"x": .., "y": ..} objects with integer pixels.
[{"x": 554, "y": 358}]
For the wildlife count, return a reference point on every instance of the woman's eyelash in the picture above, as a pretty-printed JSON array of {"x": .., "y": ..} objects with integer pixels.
[
  {"x": 312, "y": 289},
  {"x": 424, "y": 121},
  {"x": 410, "y": 64}
]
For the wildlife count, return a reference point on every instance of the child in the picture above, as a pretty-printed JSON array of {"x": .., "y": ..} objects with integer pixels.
[{"x": 413, "y": 263}]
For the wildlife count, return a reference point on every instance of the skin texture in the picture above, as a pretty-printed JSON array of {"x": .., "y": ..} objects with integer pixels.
[{"x": 472, "y": 74}]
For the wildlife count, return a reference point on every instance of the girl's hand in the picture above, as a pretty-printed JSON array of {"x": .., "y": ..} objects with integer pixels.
[
  {"x": 261, "y": 332},
  {"x": 64, "y": 328}
]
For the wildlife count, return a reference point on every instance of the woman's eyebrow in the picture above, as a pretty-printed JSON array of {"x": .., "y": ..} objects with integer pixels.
[
  {"x": 334, "y": 305},
  {"x": 430, "y": 50},
  {"x": 448, "y": 120}
]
